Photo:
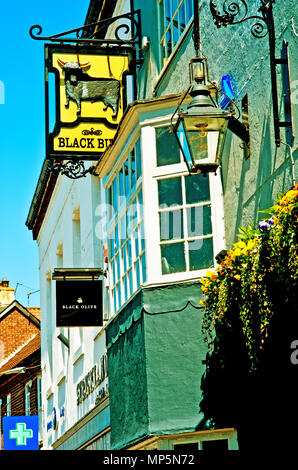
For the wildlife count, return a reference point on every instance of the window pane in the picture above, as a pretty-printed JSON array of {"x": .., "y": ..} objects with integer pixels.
[
  {"x": 133, "y": 168},
  {"x": 115, "y": 194},
  {"x": 189, "y": 4},
  {"x": 116, "y": 240},
  {"x": 129, "y": 252},
  {"x": 128, "y": 222},
  {"x": 119, "y": 294},
  {"x": 143, "y": 261},
  {"x": 126, "y": 178},
  {"x": 199, "y": 221},
  {"x": 171, "y": 225},
  {"x": 111, "y": 245},
  {"x": 140, "y": 203},
  {"x": 167, "y": 148},
  {"x": 134, "y": 212},
  {"x": 125, "y": 288},
  {"x": 121, "y": 181},
  {"x": 138, "y": 158},
  {"x": 118, "y": 266},
  {"x": 200, "y": 253},
  {"x": 197, "y": 188},
  {"x": 130, "y": 282},
  {"x": 109, "y": 202},
  {"x": 142, "y": 234},
  {"x": 124, "y": 257},
  {"x": 123, "y": 229},
  {"x": 170, "y": 192},
  {"x": 173, "y": 258},
  {"x": 136, "y": 238}
]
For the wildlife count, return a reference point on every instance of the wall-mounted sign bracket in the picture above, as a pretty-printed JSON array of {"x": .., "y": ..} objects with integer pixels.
[
  {"x": 236, "y": 12},
  {"x": 71, "y": 169},
  {"x": 127, "y": 33},
  {"x": 65, "y": 274}
]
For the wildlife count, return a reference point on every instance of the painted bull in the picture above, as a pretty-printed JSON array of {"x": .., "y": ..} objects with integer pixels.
[{"x": 79, "y": 86}]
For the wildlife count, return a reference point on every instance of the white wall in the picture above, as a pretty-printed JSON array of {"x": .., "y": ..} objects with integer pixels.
[{"x": 67, "y": 239}]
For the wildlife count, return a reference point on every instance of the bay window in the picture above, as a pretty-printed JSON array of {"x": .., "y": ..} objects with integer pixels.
[
  {"x": 183, "y": 212},
  {"x": 126, "y": 240},
  {"x": 164, "y": 224},
  {"x": 186, "y": 240}
]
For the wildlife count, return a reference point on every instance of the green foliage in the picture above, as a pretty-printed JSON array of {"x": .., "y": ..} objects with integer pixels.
[
  {"x": 257, "y": 280},
  {"x": 249, "y": 232}
]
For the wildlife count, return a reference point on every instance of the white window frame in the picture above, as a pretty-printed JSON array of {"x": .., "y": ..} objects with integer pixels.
[
  {"x": 117, "y": 281},
  {"x": 151, "y": 174},
  {"x": 165, "y": 28}
]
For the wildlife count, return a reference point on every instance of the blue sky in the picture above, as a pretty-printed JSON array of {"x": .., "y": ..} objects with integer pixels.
[{"x": 22, "y": 135}]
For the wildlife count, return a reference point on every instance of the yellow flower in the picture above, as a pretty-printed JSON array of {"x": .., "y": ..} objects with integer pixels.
[
  {"x": 251, "y": 244},
  {"x": 237, "y": 276},
  {"x": 202, "y": 303}
]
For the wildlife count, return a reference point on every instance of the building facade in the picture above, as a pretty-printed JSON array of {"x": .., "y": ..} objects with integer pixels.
[
  {"x": 135, "y": 383},
  {"x": 20, "y": 374}
]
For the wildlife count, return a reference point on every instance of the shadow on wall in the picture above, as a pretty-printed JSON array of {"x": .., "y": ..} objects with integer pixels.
[{"x": 258, "y": 402}]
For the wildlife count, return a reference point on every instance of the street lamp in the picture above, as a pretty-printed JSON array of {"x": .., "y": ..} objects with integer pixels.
[{"x": 201, "y": 128}]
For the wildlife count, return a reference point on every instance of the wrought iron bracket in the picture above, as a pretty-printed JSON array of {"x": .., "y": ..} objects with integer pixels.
[
  {"x": 71, "y": 169},
  {"x": 236, "y": 12},
  {"x": 127, "y": 32}
]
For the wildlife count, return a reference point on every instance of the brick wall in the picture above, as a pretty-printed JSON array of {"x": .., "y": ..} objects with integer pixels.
[{"x": 15, "y": 330}]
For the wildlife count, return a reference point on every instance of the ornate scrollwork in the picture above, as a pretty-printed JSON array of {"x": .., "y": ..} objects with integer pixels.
[
  {"x": 91, "y": 132},
  {"x": 73, "y": 170},
  {"x": 130, "y": 28},
  {"x": 236, "y": 12}
]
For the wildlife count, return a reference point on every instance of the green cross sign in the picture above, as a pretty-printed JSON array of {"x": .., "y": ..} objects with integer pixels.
[{"x": 21, "y": 434}]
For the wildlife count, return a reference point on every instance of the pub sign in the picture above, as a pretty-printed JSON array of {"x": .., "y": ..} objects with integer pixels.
[
  {"x": 86, "y": 89},
  {"x": 79, "y": 303}
]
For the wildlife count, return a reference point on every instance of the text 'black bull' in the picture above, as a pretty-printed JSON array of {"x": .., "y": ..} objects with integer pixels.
[{"x": 79, "y": 86}]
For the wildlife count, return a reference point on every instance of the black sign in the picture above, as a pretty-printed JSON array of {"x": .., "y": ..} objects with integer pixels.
[{"x": 79, "y": 303}]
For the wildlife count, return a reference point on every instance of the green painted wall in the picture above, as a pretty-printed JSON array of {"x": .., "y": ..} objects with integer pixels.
[
  {"x": 174, "y": 357},
  {"x": 127, "y": 376},
  {"x": 155, "y": 360},
  {"x": 249, "y": 185}
]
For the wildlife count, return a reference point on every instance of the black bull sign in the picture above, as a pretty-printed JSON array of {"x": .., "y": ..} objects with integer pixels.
[{"x": 89, "y": 97}]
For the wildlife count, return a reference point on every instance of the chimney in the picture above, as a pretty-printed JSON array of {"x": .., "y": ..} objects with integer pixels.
[{"x": 7, "y": 294}]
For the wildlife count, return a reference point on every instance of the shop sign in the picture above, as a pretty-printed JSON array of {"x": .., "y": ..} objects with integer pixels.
[
  {"x": 20, "y": 432},
  {"x": 79, "y": 303},
  {"x": 86, "y": 99},
  {"x": 92, "y": 380}
]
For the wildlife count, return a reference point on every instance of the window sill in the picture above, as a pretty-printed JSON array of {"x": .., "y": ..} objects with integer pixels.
[
  {"x": 77, "y": 355},
  {"x": 175, "y": 278}
]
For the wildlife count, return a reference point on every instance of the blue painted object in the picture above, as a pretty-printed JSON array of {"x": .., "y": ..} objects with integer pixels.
[
  {"x": 20, "y": 432},
  {"x": 227, "y": 88}
]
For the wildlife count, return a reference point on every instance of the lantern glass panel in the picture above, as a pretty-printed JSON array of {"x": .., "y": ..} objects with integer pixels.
[{"x": 201, "y": 139}]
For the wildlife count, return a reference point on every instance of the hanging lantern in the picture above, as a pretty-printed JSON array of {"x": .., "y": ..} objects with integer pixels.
[{"x": 201, "y": 129}]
